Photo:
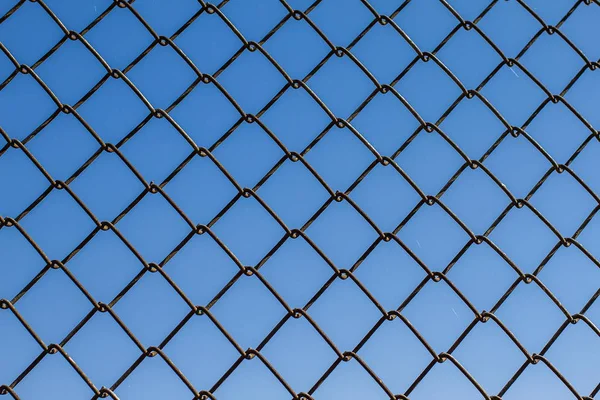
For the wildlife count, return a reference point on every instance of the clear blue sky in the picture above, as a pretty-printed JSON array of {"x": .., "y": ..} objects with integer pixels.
[{"x": 248, "y": 311}]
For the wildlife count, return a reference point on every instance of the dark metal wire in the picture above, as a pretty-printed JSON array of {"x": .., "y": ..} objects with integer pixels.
[{"x": 253, "y": 272}]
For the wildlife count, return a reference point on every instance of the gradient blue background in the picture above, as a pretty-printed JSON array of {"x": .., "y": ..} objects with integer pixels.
[{"x": 248, "y": 311}]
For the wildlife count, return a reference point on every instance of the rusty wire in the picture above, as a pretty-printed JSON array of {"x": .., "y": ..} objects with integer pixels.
[{"x": 11, "y": 389}]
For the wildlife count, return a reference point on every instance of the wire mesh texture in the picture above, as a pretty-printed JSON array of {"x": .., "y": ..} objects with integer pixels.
[{"x": 346, "y": 186}]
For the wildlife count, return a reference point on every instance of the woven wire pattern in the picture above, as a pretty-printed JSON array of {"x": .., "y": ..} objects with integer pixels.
[{"x": 532, "y": 358}]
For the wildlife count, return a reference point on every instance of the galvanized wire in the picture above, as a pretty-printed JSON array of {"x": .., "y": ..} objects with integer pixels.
[{"x": 335, "y": 195}]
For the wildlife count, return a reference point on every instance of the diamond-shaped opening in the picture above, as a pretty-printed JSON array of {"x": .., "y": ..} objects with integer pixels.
[
  {"x": 340, "y": 158},
  {"x": 516, "y": 312},
  {"x": 71, "y": 71},
  {"x": 469, "y": 57},
  {"x": 165, "y": 19},
  {"x": 254, "y": 19},
  {"x": 53, "y": 146},
  {"x": 572, "y": 277},
  {"x": 445, "y": 381},
  {"x": 428, "y": 89},
  {"x": 563, "y": 202},
  {"x": 104, "y": 266},
  {"x": 473, "y": 127},
  {"x": 384, "y": 52},
  {"x": 524, "y": 238},
  {"x": 156, "y": 150},
  {"x": 468, "y": 9},
  {"x": 111, "y": 119},
  {"x": 29, "y": 45},
  {"x": 296, "y": 272},
  {"x": 385, "y": 196},
  {"x": 201, "y": 269},
  {"x": 513, "y": 94},
  {"x": 217, "y": 353},
  {"x": 58, "y": 224},
  {"x": 296, "y": 119},
  {"x": 248, "y": 154},
  {"x": 77, "y": 15},
  {"x": 518, "y": 164},
  {"x": 253, "y": 380},
  {"x": 151, "y": 309},
  {"x": 551, "y": 13},
  {"x": 573, "y": 354},
  {"x": 386, "y": 123},
  {"x": 538, "y": 382},
  {"x": 490, "y": 356},
  {"x": 248, "y": 326},
  {"x": 252, "y": 81},
  {"x": 395, "y": 355},
  {"x": 476, "y": 199},
  {"x": 18, "y": 347},
  {"x": 209, "y": 42},
  {"x": 107, "y": 186},
  {"x": 200, "y": 189},
  {"x": 342, "y": 234},
  {"x": 434, "y": 236},
  {"x": 341, "y": 85},
  {"x": 25, "y": 105},
  {"x": 389, "y": 274},
  {"x": 133, "y": 37},
  {"x": 248, "y": 230},
  {"x": 415, "y": 19},
  {"x": 482, "y": 276},
  {"x": 344, "y": 313},
  {"x": 350, "y": 380},
  {"x": 303, "y": 193},
  {"x": 523, "y": 27},
  {"x": 353, "y": 13},
  {"x": 584, "y": 94},
  {"x": 153, "y": 378},
  {"x": 309, "y": 48},
  {"x": 53, "y": 306},
  {"x": 23, "y": 181},
  {"x": 299, "y": 341},
  {"x": 111, "y": 346},
  {"x": 154, "y": 228},
  {"x": 162, "y": 76},
  {"x": 437, "y": 308},
  {"x": 579, "y": 27},
  {"x": 216, "y": 117},
  {"x": 50, "y": 380},
  {"x": 558, "y": 131},
  {"x": 19, "y": 262},
  {"x": 552, "y": 61}
]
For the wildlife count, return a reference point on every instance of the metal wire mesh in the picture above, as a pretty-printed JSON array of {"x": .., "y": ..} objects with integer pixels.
[{"x": 531, "y": 357}]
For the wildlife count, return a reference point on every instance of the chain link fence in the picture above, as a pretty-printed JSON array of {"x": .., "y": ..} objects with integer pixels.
[{"x": 531, "y": 358}]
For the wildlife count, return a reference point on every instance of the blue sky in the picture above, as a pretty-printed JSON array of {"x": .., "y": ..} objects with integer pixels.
[{"x": 155, "y": 148}]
